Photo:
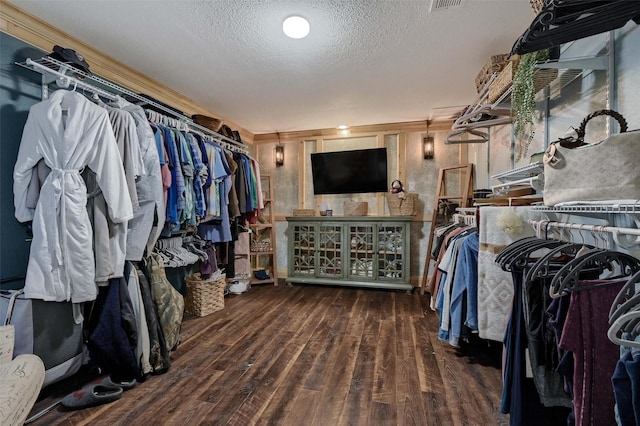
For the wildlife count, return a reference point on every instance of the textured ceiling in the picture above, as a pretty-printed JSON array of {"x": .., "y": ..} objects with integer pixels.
[{"x": 364, "y": 62}]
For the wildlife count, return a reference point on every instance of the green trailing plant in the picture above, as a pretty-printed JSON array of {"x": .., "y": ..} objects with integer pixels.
[{"x": 523, "y": 103}]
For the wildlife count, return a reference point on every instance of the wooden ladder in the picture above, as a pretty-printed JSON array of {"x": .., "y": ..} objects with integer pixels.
[{"x": 464, "y": 174}]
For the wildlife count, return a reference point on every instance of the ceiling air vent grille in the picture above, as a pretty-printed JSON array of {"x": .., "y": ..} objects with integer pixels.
[{"x": 444, "y": 4}]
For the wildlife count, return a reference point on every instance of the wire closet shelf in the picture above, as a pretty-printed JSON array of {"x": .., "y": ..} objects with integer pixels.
[
  {"x": 85, "y": 81},
  {"x": 591, "y": 208}
]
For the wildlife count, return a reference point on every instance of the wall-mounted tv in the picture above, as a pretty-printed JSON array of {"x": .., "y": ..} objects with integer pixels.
[{"x": 349, "y": 172}]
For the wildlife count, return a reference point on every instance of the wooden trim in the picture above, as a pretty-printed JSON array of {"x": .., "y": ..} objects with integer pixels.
[
  {"x": 402, "y": 157},
  {"x": 21, "y": 25},
  {"x": 302, "y": 176},
  {"x": 380, "y": 200},
  {"x": 283, "y": 274},
  {"x": 416, "y": 219},
  {"x": 357, "y": 131}
]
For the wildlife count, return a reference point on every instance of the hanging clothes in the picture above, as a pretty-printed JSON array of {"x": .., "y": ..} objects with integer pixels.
[
  {"x": 110, "y": 239},
  {"x": 165, "y": 171},
  {"x": 451, "y": 270},
  {"x": 69, "y": 133},
  {"x": 200, "y": 177},
  {"x": 186, "y": 217},
  {"x": 234, "y": 209},
  {"x": 143, "y": 343},
  {"x": 149, "y": 217},
  {"x": 626, "y": 385},
  {"x": 217, "y": 230},
  {"x": 495, "y": 286},
  {"x": 520, "y": 398},
  {"x": 595, "y": 356},
  {"x": 556, "y": 347},
  {"x": 175, "y": 203},
  {"x": 112, "y": 340},
  {"x": 241, "y": 183}
]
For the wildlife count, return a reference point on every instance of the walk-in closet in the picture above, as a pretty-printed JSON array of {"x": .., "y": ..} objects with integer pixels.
[{"x": 320, "y": 213}]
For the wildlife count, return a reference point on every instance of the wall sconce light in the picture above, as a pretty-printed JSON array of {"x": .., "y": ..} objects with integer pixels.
[
  {"x": 278, "y": 155},
  {"x": 427, "y": 147}
]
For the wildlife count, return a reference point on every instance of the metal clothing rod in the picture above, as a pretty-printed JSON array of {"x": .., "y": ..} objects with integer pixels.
[
  {"x": 599, "y": 229},
  {"x": 583, "y": 227},
  {"x": 44, "y": 66},
  {"x": 69, "y": 79},
  {"x": 535, "y": 182},
  {"x": 466, "y": 209},
  {"x": 158, "y": 118}
]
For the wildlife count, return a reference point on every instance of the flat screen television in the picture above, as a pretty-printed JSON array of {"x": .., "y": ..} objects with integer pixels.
[{"x": 349, "y": 172}]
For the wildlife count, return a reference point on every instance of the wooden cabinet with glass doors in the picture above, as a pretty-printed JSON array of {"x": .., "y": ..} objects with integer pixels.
[{"x": 354, "y": 251}]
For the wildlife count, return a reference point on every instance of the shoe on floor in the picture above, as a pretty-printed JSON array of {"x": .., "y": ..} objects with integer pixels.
[
  {"x": 91, "y": 396},
  {"x": 261, "y": 275},
  {"x": 112, "y": 381},
  {"x": 123, "y": 383}
]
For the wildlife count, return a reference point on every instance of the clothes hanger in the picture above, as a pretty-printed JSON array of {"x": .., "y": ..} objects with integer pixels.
[
  {"x": 542, "y": 233},
  {"x": 634, "y": 325},
  {"x": 627, "y": 298},
  {"x": 544, "y": 267},
  {"x": 568, "y": 277},
  {"x": 554, "y": 287},
  {"x": 619, "y": 325},
  {"x": 513, "y": 246},
  {"x": 525, "y": 246},
  {"x": 456, "y": 136},
  {"x": 522, "y": 258},
  {"x": 563, "y": 21},
  {"x": 516, "y": 245}
]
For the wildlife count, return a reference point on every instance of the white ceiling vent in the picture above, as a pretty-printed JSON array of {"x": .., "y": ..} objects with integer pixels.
[{"x": 444, "y": 4}]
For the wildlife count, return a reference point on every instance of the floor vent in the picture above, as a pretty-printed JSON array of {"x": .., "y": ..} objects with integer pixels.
[{"x": 444, "y": 4}]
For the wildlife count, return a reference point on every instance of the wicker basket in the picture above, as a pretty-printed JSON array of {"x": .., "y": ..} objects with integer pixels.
[
  {"x": 261, "y": 246},
  {"x": 537, "y": 5},
  {"x": 204, "y": 297},
  {"x": 542, "y": 77},
  {"x": 402, "y": 207},
  {"x": 208, "y": 122},
  {"x": 355, "y": 208},
  {"x": 504, "y": 80},
  {"x": 304, "y": 212},
  {"x": 494, "y": 64}
]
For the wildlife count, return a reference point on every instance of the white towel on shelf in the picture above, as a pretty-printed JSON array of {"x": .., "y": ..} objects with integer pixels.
[{"x": 495, "y": 286}]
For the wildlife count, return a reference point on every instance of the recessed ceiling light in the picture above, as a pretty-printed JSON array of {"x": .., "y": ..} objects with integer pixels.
[
  {"x": 343, "y": 127},
  {"x": 295, "y": 27}
]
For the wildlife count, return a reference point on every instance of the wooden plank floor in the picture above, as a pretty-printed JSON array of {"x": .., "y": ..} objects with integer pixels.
[{"x": 308, "y": 355}]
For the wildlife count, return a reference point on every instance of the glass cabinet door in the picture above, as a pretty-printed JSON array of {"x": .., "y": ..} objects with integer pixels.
[
  {"x": 329, "y": 250},
  {"x": 391, "y": 240},
  {"x": 361, "y": 254},
  {"x": 304, "y": 249}
]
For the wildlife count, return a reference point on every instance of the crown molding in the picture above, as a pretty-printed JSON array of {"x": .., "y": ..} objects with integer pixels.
[
  {"x": 389, "y": 128},
  {"x": 20, "y": 24},
  {"x": 36, "y": 32}
]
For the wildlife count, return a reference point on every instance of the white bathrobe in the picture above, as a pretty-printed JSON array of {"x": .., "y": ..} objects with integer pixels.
[{"x": 68, "y": 132}]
